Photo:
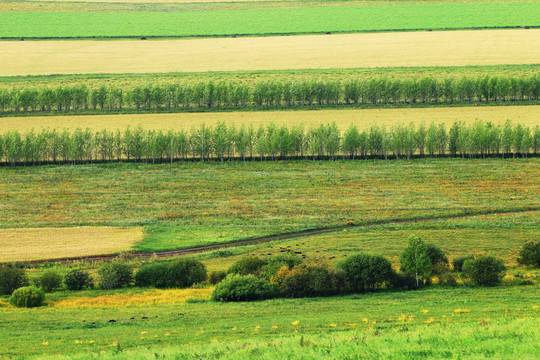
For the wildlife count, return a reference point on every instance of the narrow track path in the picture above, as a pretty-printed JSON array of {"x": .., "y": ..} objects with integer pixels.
[{"x": 286, "y": 236}]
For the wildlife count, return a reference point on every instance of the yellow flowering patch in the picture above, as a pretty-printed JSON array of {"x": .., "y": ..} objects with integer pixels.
[{"x": 163, "y": 297}]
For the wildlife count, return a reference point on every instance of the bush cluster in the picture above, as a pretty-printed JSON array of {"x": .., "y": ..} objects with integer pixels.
[
  {"x": 49, "y": 281},
  {"x": 28, "y": 297},
  {"x": 115, "y": 275},
  {"x": 77, "y": 280},
  {"x": 484, "y": 270},
  {"x": 12, "y": 277},
  {"x": 529, "y": 254},
  {"x": 243, "y": 288},
  {"x": 180, "y": 273}
]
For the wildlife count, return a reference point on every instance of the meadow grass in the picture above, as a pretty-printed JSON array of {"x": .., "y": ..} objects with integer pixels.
[
  {"x": 408, "y": 49},
  {"x": 52, "y": 243},
  {"x": 526, "y": 115},
  {"x": 270, "y": 21},
  {"x": 213, "y": 328},
  {"x": 187, "y": 204},
  {"x": 500, "y": 235},
  {"x": 501, "y": 339}
]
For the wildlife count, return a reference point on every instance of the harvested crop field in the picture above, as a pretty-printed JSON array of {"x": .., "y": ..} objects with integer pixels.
[
  {"x": 54, "y": 243},
  {"x": 452, "y": 48},
  {"x": 363, "y": 118}
]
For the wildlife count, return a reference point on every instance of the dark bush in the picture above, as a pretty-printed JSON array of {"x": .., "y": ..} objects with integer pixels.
[
  {"x": 28, "y": 297},
  {"x": 403, "y": 281},
  {"x": 484, "y": 270},
  {"x": 243, "y": 288},
  {"x": 49, "y": 281},
  {"x": 11, "y": 278},
  {"x": 114, "y": 275},
  {"x": 440, "y": 268},
  {"x": 339, "y": 281},
  {"x": 529, "y": 254},
  {"x": 458, "y": 262},
  {"x": 247, "y": 265},
  {"x": 436, "y": 255},
  {"x": 186, "y": 272},
  {"x": 276, "y": 262},
  {"x": 152, "y": 275},
  {"x": 77, "y": 280},
  {"x": 366, "y": 272},
  {"x": 310, "y": 280},
  {"x": 216, "y": 277},
  {"x": 447, "y": 279}
]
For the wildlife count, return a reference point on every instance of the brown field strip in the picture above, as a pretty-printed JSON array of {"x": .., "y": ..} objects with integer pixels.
[
  {"x": 55, "y": 243},
  {"x": 438, "y": 48},
  {"x": 363, "y": 118}
]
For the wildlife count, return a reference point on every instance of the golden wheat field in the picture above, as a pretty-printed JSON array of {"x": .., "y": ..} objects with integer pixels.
[
  {"x": 363, "y": 118},
  {"x": 438, "y": 48},
  {"x": 54, "y": 243}
]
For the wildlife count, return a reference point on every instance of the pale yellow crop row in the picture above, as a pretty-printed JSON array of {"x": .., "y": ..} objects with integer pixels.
[
  {"x": 363, "y": 118},
  {"x": 438, "y": 48},
  {"x": 55, "y": 243}
]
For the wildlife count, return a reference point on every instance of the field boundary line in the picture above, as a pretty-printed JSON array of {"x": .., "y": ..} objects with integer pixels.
[{"x": 277, "y": 237}]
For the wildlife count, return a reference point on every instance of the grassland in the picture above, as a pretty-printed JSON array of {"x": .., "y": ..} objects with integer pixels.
[
  {"x": 362, "y": 118},
  {"x": 52, "y": 243},
  {"x": 304, "y": 20},
  {"x": 377, "y": 321},
  {"x": 498, "y": 235},
  {"x": 456, "y": 48},
  {"x": 182, "y": 205}
]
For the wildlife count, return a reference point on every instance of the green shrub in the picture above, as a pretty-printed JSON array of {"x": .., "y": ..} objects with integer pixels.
[
  {"x": 276, "y": 262},
  {"x": 243, "y": 288},
  {"x": 114, "y": 275},
  {"x": 184, "y": 273},
  {"x": 403, "y": 281},
  {"x": 28, "y": 297},
  {"x": 529, "y": 254},
  {"x": 436, "y": 255},
  {"x": 216, "y": 277},
  {"x": 366, "y": 272},
  {"x": 247, "y": 265},
  {"x": 11, "y": 278},
  {"x": 447, "y": 279},
  {"x": 152, "y": 275},
  {"x": 458, "y": 262},
  {"x": 310, "y": 280},
  {"x": 49, "y": 281},
  {"x": 77, "y": 280},
  {"x": 484, "y": 270}
]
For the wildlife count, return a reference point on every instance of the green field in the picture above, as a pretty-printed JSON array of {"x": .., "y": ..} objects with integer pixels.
[
  {"x": 499, "y": 322},
  {"x": 222, "y": 59},
  {"x": 276, "y": 21},
  {"x": 182, "y": 205}
]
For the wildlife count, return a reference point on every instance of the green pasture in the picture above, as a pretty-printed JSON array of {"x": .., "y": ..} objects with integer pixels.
[
  {"x": 188, "y": 204},
  {"x": 306, "y": 20},
  {"x": 500, "y": 322}
]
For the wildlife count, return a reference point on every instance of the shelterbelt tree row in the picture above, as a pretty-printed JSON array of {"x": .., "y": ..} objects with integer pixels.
[
  {"x": 272, "y": 142},
  {"x": 189, "y": 96}
]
